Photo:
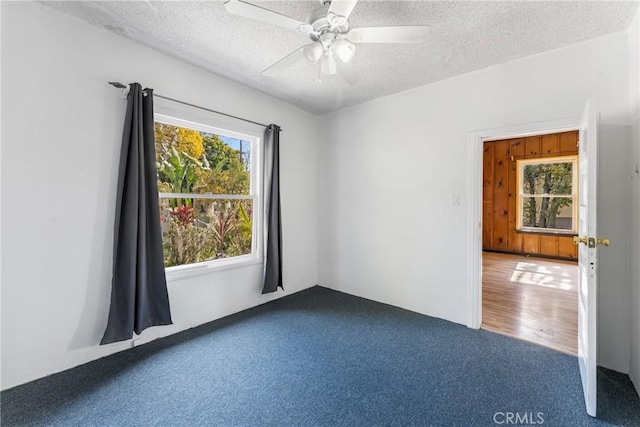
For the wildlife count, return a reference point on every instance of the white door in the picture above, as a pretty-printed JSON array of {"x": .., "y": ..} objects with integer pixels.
[{"x": 588, "y": 254}]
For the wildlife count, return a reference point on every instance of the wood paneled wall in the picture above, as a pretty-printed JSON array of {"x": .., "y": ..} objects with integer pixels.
[{"x": 499, "y": 195}]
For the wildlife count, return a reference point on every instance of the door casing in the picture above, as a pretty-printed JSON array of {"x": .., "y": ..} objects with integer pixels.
[{"x": 474, "y": 240}]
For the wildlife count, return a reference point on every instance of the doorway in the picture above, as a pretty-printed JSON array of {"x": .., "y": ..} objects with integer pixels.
[{"x": 529, "y": 218}]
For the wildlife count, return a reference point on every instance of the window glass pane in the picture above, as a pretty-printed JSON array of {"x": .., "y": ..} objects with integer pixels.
[
  {"x": 548, "y": 212},
  {"x": 196, "y": 230},
  {"x": 190, "y": 161},
  {"x": 547, "y": 178}
]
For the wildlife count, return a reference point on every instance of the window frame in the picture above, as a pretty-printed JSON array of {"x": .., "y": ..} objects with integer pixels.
[
  {"x": 177, "y": 272},
  {"x": 520, "y": 196}
]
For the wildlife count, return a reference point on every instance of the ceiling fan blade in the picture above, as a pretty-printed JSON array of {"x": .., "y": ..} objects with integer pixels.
[
  {"x": 349, "y": 72},
  {"x": 342, "y": 8},
  {"x": 248, "y": 10},
  {"x": 401, "y": 34},
  {"x": 285, "y": 62}
]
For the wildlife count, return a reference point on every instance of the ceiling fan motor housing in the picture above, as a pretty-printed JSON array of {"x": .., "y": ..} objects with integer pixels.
[{"x": 320, "y": 22}]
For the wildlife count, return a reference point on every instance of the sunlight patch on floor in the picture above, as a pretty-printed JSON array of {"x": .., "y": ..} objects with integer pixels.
[{"x": 530, "y": 273}]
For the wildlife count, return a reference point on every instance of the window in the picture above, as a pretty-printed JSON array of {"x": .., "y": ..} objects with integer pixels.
[
  {"x": 208, "y": 194},
  {"x": 547, "y": 195}
]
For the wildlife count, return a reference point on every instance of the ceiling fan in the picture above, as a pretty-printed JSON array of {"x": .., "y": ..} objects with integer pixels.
[{"x": 330, "y": 34}]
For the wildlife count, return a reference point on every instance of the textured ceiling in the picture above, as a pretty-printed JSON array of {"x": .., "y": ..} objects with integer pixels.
[{"x": 464, "y": 36}]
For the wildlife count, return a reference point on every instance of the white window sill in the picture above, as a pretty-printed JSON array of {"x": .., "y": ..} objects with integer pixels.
[
  {"x": 181, "y": 272},
  {"x": 546, "y": 231}
]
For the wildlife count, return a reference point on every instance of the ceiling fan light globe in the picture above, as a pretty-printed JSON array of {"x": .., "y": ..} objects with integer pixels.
[
  {"x": 313, "y": 52},
  {"x": 344, "y": 50},
  {"x": 328, "y": 65}
]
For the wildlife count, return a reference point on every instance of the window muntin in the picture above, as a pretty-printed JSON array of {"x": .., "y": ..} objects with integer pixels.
[
  {"x": 547, "y": 200},
  {"x": 208, "y": 194}
]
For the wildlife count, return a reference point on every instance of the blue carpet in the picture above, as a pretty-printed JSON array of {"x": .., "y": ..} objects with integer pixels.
[{"x": 323, "y": 358}]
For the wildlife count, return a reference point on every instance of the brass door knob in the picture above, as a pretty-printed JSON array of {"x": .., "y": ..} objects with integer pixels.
[
  {"x": 577, "y": 240},
  {"x": 591, "y": 242}
]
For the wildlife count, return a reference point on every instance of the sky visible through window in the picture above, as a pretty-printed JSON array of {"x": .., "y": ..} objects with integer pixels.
[
  {"x": 240, "y": 145},
  {"x": 233, "y": 142}
]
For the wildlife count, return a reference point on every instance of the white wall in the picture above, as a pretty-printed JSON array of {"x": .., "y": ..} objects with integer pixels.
[
  {"x": 61, "y": 135},
  {"x": 634, "y": 166},
  {"x": 387, "y": 230}
]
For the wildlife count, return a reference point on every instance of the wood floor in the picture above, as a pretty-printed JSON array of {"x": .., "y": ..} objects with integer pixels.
[{"x": 534, "y": 299}]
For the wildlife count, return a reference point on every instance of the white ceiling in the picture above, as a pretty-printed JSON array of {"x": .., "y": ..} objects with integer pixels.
[{"x": 464, "y": 36}]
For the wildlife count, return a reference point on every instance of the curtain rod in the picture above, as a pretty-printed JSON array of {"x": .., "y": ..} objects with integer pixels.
[{"x": 123, "y": 86}]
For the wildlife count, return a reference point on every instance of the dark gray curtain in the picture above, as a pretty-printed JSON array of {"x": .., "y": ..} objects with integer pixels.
[
  {"x": 273, "y": 256},
  {"x": 139, "y": 297}
]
